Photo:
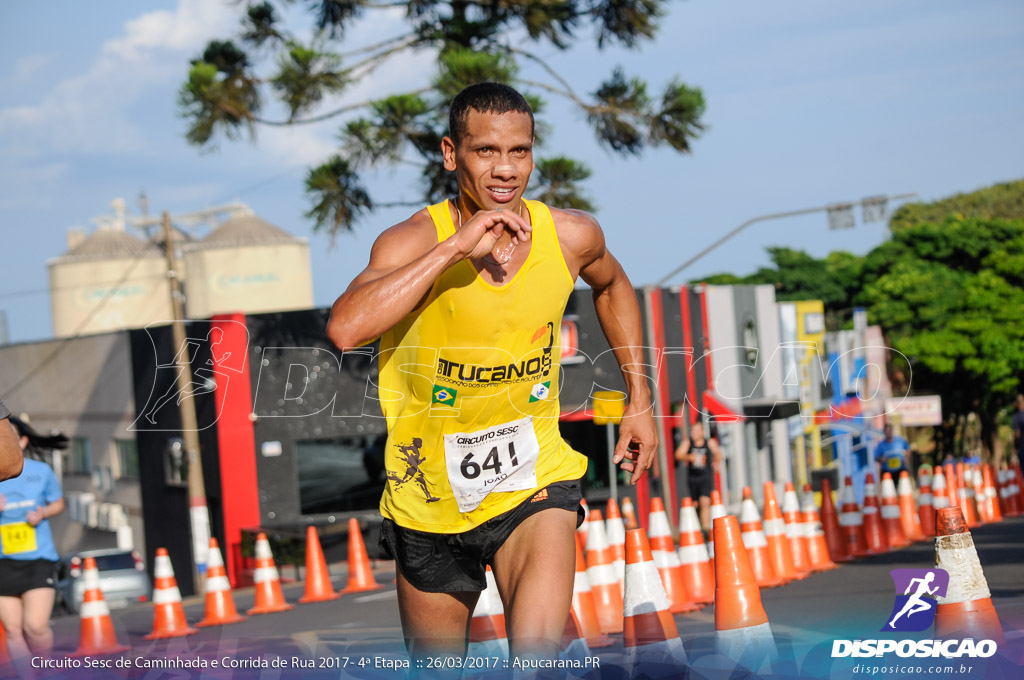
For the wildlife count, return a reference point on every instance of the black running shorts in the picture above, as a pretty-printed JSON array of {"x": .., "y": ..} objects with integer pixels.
[
  {"x": 701, "y": 486},
  {"x": 20, "y": 576},
  {"x": 453, "y": 563}
]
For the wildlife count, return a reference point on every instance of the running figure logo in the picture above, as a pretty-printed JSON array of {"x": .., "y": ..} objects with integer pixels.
[
  {"x": 413, "y": 459},
  {"x": 914, "y": 610}
]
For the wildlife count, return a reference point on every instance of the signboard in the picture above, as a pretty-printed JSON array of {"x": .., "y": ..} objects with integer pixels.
[{"x": 916, "y": 411}]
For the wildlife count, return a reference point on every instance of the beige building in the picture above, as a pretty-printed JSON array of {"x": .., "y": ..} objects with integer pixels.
[
  {"x": 112, "y": 279},
  {"x": 247, "y": 265},
  {"x": 107, "y": 281}
]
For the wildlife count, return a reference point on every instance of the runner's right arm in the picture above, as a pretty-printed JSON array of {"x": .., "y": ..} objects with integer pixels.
[
  {"x": 683, "y": 452},
  {"x": 405, "y": 262}
]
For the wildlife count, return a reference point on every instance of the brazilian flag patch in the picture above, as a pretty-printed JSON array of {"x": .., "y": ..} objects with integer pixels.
[
  {"x": 443, "y": 395},
  {"x": 540, "y": 391}
]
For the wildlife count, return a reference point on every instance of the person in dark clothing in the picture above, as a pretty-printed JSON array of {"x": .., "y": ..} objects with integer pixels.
[{"x": 702, "y": 456}]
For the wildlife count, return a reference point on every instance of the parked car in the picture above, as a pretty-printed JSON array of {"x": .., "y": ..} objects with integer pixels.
[{"x": 123, "y": 578}]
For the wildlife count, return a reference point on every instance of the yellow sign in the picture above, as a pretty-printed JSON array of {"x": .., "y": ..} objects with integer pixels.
[
  {"x": 608, "y": 407},
  {"x": 16, "y": 538}
]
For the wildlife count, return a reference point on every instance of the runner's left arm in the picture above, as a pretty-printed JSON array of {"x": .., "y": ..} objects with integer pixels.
[{"x": 619, "y": 315}]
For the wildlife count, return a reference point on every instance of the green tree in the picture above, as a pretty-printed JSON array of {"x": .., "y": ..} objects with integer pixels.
[
  {"x": 950, "y": 297},
  {"x": 947, "y": 289},
  {"x": 224, "y": 94},
  {"x": 1000, "y": 201}
]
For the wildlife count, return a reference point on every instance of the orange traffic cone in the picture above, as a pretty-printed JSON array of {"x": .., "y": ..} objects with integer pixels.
[
  {"x": 817, "y": 547},
  {"x": 775, "y": 533},
  {"x": 487, "y": 635},
  {"x": 5, "y": 657},
  {"x": 583, "y": 604},
  {"x": 318, "y": 578},
  {"x": 796, "y": 531},
  {"x": 603, "y": 582},
  {"x": 909, "y": 517},
  {"x": 1019, "y": 482},
  {"x": 267, "y": 582},
  {"x": 834, "y": 537},
  {"x": 967, "y": 609},
  {"x": 952, "y": 485},
  {"x": 892, "y": 521},
  {"x": 756, "y": 544},
  {"x": 585, "y": 525},
  {"x": 1008, "y": 492},
  {"x": 991, "y": 500},
  {"x": 742, "y": 632},
  {"x": 965, "y": 496},
  {"x": 874, "y": 532},
  {"x": 1004, "y": 506},
  {"x": 616, "y": 532},
  {"x": 628, "y": 513},
  {"x": 360, "y": 573},
  {"x": 979, "y": 494},
  {"x": 220, "y": 605},
  {"x": 940, "y": 495},
  {"x": 666, "y": 559},
  {"x": 851, "y": 522},
  {"x": 717, "y": 510},
  {"x": 650, "y": 636},
  {"x": 925, "y": 502},
  {"x": 168, "y": 612},
  {"x": 693, "y": 556},
  {"x": 97, "y": 629}
]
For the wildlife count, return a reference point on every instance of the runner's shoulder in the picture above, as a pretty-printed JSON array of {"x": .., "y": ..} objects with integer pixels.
[
  {"x": 578, "y": 230},
  {"x": 405, "y": 241}
]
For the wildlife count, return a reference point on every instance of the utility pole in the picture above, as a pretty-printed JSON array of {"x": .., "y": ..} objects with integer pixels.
[{"x": 190, "y": 432}]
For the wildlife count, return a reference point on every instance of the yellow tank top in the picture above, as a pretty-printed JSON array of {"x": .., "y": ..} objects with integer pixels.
[{"x": 469, "y": 388}]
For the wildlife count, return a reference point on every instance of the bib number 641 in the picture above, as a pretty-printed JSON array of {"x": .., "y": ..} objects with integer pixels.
[{"x": 471, "y": 470}]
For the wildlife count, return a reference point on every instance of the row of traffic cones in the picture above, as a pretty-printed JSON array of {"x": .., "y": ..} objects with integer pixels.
[
  {"x": 97, "y": 630},
  {"x": 743, "y": 633}
]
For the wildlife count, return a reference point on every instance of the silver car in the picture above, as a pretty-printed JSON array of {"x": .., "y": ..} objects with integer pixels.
[{"x": 123, "y": 578}]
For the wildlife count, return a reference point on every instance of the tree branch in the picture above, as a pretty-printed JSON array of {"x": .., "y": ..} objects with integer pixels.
[{"x": 329, "y": 114}]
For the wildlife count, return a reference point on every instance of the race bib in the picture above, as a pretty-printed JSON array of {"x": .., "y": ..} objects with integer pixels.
[
  {"x": 500, "y": 458},
  {"x": 894, "y": 463},
  {"x": 18, "y": 537}
]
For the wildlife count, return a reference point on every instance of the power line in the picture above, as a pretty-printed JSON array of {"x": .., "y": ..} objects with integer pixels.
[{"x": 49, "y": 358}]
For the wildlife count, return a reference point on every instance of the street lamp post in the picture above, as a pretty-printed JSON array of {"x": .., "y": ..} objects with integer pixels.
[{"x": 840, "y": 217}]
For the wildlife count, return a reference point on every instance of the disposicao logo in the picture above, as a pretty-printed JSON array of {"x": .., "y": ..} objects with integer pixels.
[{"x": 917, "y": 592}]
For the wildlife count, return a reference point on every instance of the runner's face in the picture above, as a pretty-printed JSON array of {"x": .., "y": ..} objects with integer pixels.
[{"x": 494, "y": 159}]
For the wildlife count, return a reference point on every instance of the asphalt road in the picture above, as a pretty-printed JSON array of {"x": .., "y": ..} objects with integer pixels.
[{"x": 852, "y": 602}]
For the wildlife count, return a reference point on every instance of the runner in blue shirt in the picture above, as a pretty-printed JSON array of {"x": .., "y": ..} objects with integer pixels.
[
  {"x": 892, "y": 454},
  {"x": 28, "y": 556}
]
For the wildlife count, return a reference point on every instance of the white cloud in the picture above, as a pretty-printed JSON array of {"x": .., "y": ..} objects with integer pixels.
[{"x": 89, "y": 112}]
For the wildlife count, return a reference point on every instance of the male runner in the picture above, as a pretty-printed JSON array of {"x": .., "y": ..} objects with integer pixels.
[
  {"x": 467, "y": 297},
  {"x": 892, "y": 454},
  {"x": 702, "y": 456}
]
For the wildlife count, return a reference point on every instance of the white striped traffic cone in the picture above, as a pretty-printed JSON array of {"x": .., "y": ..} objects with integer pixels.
[
  {"x": 97, "y": 629},
  {"x": 650, "y": 637},
  {"x": 168, "y": 612}
]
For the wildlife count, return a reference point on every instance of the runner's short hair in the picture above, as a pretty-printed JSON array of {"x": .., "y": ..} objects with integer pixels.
[{"x": 484, "y": 97}]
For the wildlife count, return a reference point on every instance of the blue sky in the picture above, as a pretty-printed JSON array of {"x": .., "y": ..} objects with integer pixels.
[{"x": 808, "y": 104}]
